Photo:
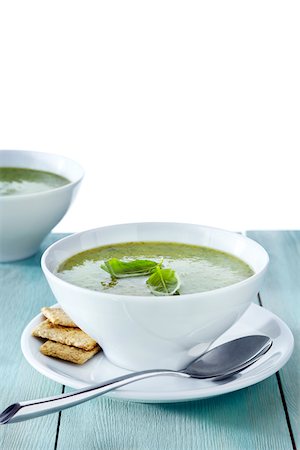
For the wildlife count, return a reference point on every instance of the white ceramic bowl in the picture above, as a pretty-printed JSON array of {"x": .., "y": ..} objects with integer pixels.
[
  {"x": 25, "y": 220},
  {"x": 138, "y": 332}
]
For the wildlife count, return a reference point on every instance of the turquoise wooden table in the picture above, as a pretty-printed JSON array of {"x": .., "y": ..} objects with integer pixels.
[{"x": 265, "y": 416}]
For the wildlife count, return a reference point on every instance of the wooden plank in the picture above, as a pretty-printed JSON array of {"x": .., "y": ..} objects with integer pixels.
[
  {"x": 252, "y": 418},
  {"x": 281, "y": 294},
  {"x": 23, "y": 291}
]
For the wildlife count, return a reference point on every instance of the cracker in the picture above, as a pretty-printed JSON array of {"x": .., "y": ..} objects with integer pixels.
[
  {"x": 58, "y": 317},
  {"x": 68, "y": 353},
  {"x": 64, "y": 335}
]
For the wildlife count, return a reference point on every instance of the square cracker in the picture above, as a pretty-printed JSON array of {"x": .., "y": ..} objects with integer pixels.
[
  {"x": 68, "y": 353},
  {"x": 58, "y": 317},
  {"x": 64, "y": 335}
]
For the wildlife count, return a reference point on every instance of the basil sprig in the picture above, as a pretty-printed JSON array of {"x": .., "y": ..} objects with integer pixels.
[{"x": 161, "y": 281}]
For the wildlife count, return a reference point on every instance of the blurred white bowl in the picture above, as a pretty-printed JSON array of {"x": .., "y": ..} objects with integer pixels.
[
  {"x": 25, "y": 220},
  {"x": 138, "y": 332}
]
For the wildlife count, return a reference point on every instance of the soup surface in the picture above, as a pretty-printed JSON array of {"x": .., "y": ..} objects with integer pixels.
[
  {"x": 199, "y": 268},
  {"x": 19, "y": 181}
]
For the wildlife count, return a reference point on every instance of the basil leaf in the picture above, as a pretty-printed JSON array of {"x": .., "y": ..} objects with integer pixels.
[
  {"x": 121, "y": 269},
  {"x": 163, "y": 282}
]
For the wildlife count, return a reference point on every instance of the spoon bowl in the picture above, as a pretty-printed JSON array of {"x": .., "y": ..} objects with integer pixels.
[{"x": 229, "y": 358}]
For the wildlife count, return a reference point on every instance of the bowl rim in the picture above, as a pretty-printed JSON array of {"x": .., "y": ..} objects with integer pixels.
[
  {"x": 67, "y": 186},
  {"x": 119, "y": 297}
]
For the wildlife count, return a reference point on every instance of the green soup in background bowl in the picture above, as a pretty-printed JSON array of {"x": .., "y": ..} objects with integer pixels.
[
  {"x": 22, "y": 181},
  {"x": 36, "y": 190}
]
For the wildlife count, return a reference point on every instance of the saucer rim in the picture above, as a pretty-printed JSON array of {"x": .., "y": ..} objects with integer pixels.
[{"x": 146, "y": 396}]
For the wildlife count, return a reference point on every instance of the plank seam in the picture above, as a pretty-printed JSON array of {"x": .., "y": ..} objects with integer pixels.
[
  {"x": 58, "y": 422},
  {"x": 286, "y": 411},
  {"x": 284, "y": 404}
]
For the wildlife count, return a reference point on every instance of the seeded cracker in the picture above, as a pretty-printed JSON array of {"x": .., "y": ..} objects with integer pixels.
[
  {"x": 68, "y": 353},
  {"x": 64, "y": 335},
  {"x": 58, "y": 317}
]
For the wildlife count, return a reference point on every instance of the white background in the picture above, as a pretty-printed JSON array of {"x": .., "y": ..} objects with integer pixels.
[{"x": 178, "y": 110}]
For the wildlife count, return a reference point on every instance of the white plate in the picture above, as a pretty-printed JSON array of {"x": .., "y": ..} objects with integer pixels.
[{"x": 256, "y": 320}]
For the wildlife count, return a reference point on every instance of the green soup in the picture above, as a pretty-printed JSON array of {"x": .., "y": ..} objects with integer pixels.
[
  {"x": 199, "y": 268},
  {"x": 20, "y": 181}
]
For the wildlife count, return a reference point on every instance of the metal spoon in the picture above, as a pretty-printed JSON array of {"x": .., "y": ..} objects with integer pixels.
[{"x": 219, "y": 362}]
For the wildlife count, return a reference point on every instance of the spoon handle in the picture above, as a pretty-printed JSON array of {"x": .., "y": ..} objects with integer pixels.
[{"x": 26, "y": 410}]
